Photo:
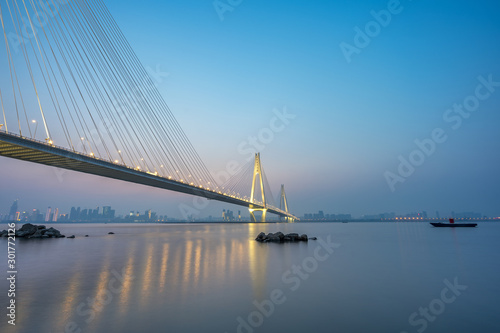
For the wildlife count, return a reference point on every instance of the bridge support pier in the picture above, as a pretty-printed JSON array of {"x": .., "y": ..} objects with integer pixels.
[{"x": 252, "y": 215}]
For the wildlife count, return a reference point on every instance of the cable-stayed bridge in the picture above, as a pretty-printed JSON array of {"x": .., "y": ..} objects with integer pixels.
[{"x": 74, "y": 95}]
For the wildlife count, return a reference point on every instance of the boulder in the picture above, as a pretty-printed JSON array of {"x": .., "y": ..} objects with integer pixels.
[
  {"x": 72, "y": 236},
  {"x": 111, "y": 233},
  {"x": 29, "y": 230},
  {"x": 37, "y": 234},
  {"x": 279, "y": 237},
  {"x": 260, "y": 236}
]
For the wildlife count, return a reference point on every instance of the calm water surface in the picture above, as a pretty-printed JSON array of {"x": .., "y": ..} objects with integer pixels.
[{"x": 358, "y": 277}]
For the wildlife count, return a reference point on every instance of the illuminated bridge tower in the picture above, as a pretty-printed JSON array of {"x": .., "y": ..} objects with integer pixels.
[
  {"x": 284, "y": 204},
  {"x": 257, "y": 170}
]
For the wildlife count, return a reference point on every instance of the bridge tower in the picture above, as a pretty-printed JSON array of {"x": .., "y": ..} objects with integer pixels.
[
  {"x": 284, "y": 204},
  {"x": 257, "y": 170}
]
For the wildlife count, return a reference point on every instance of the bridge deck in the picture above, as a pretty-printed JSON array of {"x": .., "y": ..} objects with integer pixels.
[{"x": 26, "y": 149}]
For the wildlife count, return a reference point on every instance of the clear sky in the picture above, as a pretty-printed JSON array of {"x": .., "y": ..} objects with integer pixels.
[{"x": 361, "y": 82}]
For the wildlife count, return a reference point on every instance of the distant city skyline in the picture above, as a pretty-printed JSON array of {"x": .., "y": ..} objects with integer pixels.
[{"x": 104, "y": 212}]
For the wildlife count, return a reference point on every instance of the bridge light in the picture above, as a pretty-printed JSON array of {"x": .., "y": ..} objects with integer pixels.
[
  {"x": 82, "y": 138},
  {"x": 116, "y": 161},
  {"x": 91, "y": 154}
]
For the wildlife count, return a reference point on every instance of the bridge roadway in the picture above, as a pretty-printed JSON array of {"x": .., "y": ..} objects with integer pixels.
[{"x": 26, "y": 149}]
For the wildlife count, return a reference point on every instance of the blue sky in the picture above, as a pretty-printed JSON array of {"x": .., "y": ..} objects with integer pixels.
[{"x": 223, "y": 79}]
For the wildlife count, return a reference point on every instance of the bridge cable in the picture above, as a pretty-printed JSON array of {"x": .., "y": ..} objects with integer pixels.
[{"x": 3, "y": 111}]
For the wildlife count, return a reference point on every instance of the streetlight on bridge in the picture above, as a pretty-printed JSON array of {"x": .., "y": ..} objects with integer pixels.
[{"x": 36, "y": 127}]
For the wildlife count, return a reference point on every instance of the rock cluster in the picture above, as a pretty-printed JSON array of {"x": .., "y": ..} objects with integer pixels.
[
  {"x": 29, "y": 230},
  {"x": 280, "y": 237}
]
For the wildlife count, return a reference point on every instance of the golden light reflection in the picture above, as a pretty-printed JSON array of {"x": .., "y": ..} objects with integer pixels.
[
  {"x": 146, "y": 279},
  {"x": 258, "y": 264},
  {"x": 175, "y": 268},
  {"x": 128, "y": 277},
  {"x": 70, "y": 299},
  {"x": 197, "y": 262},
  {"x": 186, "y": 270},
  {"x": 163, "y": 271},
  {"x": 101, "y": 291}
]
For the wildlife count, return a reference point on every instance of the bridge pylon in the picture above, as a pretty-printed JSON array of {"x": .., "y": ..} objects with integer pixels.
[
  {"x": 257, "y": 170},
  {"x": 284, "y": 204}
]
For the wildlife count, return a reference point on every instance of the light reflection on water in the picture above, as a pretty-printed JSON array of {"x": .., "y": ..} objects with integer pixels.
[{"x": 201, "y": 278}]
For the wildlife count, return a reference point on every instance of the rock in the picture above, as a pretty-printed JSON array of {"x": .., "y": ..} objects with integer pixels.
[
  {"x": 273, "y": 238},
  {"x": 111, "y": 233},
  {"x": 260, "y": 237},
  {"x": 313, "y": 238},
  {"x": 279, "y": 237},
  {"x": 72, "y": 236},
  {"x": 86, "y": 235},
  {"x": 37, "y": 234},
  {"x": 29, "y": 230}
]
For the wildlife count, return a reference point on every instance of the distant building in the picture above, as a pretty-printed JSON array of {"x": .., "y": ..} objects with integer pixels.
[
  {"x": 13, "y": 210},
  {"x": 36, "y": 216},
  {"x": 48, "y": 214},
  {"x": 107, "y": 212}
]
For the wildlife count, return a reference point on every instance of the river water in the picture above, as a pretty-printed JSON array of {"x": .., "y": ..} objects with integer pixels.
[{"x": 357, "y": 277}]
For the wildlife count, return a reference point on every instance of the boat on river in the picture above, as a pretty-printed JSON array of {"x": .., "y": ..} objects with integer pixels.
[{"x": 452, "y": 224}]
